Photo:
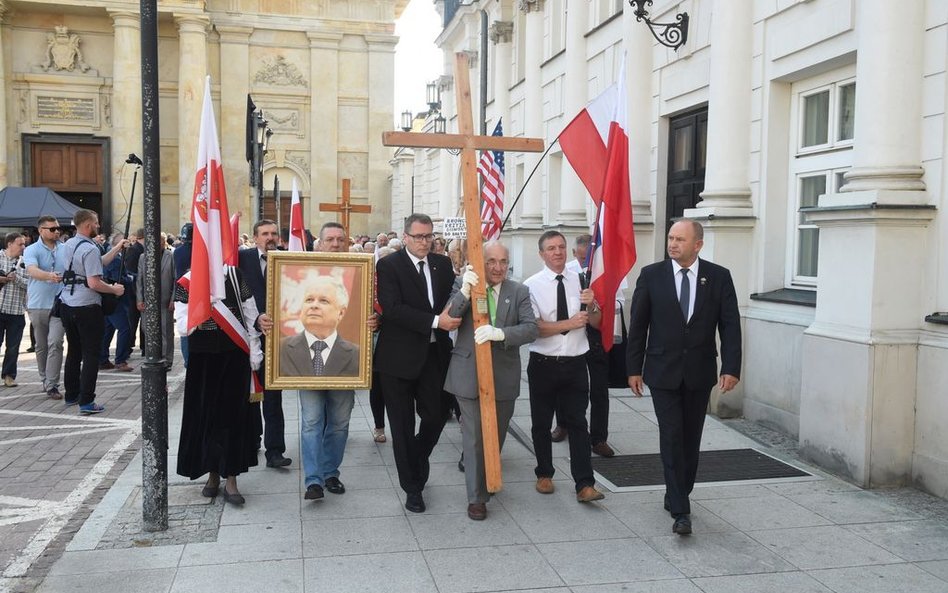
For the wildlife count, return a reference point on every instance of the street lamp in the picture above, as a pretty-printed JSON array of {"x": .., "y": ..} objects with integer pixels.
[
  {"x": 407, "y": 117},
  {"x": 261, "y": 136},
  {"x": 440, "y": 125},
  {"x": 433, "y": 95},
  {"x": 672, "y": 35}
]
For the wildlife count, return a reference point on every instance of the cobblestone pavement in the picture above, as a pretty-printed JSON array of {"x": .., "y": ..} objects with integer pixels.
[{"x": 55, "y": 465}]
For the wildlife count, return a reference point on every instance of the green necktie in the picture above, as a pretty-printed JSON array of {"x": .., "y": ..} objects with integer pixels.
[{"x": 491, "y": 305}]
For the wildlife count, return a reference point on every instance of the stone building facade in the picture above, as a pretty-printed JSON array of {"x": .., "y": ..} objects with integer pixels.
[
  {"x": 321, "y": 71},
  {"x": 809, "y": 136}
]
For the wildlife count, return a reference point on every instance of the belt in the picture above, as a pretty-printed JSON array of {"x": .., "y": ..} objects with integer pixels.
[{"x": 556, "y": 359}]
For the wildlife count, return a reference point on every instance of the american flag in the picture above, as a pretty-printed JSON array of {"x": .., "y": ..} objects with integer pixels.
[{"x": 491, "y": 168}]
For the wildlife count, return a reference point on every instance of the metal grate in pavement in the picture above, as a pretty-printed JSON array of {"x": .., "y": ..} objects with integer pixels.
[{"x": 724, "y": 465}]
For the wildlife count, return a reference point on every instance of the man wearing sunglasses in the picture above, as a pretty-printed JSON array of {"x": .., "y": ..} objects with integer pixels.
[{"x": 45, "y": 266}]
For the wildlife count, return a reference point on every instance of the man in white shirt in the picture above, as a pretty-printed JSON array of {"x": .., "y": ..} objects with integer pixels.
[{"x": 557, "y": 369}]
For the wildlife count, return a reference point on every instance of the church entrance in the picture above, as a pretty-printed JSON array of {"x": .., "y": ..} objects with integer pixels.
[
  {"x": 687, "y": 147},
  {"x": 75, "y": 167}
]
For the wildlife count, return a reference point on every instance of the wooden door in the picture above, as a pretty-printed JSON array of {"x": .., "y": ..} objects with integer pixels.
[{"x": 687, "y": 148}]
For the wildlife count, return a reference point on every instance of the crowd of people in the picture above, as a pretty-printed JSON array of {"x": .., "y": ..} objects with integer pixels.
[{"x": 424, "y": 371}]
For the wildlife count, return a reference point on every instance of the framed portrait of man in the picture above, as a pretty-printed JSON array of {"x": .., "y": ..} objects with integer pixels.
[{"x": 320, "y": 304}]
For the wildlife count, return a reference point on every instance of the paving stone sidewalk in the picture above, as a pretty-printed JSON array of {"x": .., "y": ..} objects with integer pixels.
[{"x": 820, "y": 535}]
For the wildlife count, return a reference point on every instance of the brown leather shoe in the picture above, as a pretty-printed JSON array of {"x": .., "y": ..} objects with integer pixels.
[
  {"x": 603, "y": 450},
  {"x": 545, "y": 485},
  {"x": 477, "y": 511},
  {"x": 589, "y": 494},
  {"x": 558, "y": 434},
  {"x": 122, "y": 367}
]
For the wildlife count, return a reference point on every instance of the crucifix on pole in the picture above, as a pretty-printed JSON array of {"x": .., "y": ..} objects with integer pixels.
[
  {"x": 344, "y": 206},
  {"x": 469, "y": 143}
]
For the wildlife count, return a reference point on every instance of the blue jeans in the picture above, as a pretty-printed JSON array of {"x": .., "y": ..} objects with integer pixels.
[
  {"x": 324, "y": 429},
  {"x": 117, "y": 322},
  {"x": 12, "y": 326}
]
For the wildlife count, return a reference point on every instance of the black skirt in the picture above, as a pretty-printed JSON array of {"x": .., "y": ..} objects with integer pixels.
[{"x": 216, "y": 428}]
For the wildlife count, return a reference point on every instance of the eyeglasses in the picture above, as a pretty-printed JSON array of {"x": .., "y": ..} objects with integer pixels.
[
  {"x": 52, "y": 229},
  {"x": 428, "y": 237}
]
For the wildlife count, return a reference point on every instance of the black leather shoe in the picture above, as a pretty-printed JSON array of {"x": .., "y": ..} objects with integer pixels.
[
  {"x": 335, "y": 486},
  {"x": 682, "y": 525},
  {"x": 278, "y": 460},
  {"x": 313, "y": 492},
  {"x": 414, "y": 502},
  {"x": 235, "y": 498}
]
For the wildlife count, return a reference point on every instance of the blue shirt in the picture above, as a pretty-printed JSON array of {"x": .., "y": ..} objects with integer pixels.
[
  {"x": 86, "y": 260},
  {"x": 40, "y": 293}
]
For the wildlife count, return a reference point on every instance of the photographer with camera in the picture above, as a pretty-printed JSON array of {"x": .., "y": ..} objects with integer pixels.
[
  {"x": 12, "y": 303},
  {"x": 82, "y": 315}
]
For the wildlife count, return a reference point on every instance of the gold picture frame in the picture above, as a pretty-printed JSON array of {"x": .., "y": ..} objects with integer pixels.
[{"x": 304, "y": 290}]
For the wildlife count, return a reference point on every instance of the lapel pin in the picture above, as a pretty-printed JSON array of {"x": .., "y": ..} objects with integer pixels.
[{"x": 703, "y": 281}]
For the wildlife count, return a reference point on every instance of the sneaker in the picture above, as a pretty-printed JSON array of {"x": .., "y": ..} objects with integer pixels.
[
  {"x": 9, "y": 381},
  {"x": 313, "y": 492},
  {"x": 93, "y": 408},
  {"x": 123, "y": 367},
  {"x": 378, "y": 435},
  {"x": 106, "y": 366},
  {"x": 53, "y": 393}
]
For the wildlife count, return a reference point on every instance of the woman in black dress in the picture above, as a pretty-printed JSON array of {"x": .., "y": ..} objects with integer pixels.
[{"x": 217, "y": 436}]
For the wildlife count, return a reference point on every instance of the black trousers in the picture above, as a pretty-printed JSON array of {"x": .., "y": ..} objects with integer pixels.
[
  {"x": 597, "y": 363},
  {"x": 680, "y": 414},
  {"x": 403, "y": 397},
  {"x": 560, "y": 385},
  {"x": 376, "y": 401},
  {"x": 84, "y": 327},
  {"x": 271, "y": 427}
]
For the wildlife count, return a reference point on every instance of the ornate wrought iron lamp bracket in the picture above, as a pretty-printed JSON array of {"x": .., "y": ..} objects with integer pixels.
[{"x": 672, "y": 35}]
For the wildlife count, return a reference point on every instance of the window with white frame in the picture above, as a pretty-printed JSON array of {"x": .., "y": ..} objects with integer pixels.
[
  {"x": 555, "y": 25},
  {"x": 603, "y": 10},
  {"x": 822, "y": 116}
]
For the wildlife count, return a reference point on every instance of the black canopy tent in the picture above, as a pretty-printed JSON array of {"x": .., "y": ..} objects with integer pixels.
[{"x": 21, "y": 206}]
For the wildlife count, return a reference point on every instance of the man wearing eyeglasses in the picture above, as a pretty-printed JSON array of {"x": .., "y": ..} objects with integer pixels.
[
  {"x": 413, "y": 349},
  {"x": 45, "y": 266}
]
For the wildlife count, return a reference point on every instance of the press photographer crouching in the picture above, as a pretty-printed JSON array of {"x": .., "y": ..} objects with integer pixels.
[{"x": 81, "y": 310}]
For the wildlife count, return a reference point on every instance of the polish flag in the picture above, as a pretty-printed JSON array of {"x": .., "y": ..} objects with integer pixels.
[
  {"x": 235, "y": 235},
  {"x": 596, "y": 145},
  {"x": 297, "y": 232},
  {"x": 212, "y": 244}
]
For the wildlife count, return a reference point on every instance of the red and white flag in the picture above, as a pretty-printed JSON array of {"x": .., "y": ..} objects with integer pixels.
[
  {"x": 297, "y": 231},
  {"x": 602, "y": 163},
  {"x": 212, "y": 244},
  {"x": 491, "y": 168},
  {"x": 235, "y": 235}
]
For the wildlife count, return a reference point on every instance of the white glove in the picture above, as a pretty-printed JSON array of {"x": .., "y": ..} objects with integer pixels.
[
  {"x": 256, "y": 353},
  {"x": 468, "y": 280},
  {"x": 488, "y": 333}
]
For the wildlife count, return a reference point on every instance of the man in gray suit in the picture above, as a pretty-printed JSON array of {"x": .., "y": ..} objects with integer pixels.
[
  {"x": 512, "y": 324},
  {"x": 324, "y": 305},
  {"x": 166, "y": 278}
]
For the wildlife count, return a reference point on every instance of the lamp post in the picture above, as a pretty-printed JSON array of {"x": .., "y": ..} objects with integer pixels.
[
  {"x": 261, "y": 140},
  {"x": 433, "y": 96},
  {"x": 407, "y": 118},
  {"x": 672, "y": 35}
]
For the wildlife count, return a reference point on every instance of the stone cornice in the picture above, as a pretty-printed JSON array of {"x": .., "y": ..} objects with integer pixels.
[{"x": 234, "y": 34}]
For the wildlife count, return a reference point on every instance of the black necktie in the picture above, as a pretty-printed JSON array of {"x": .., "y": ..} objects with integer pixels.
[
  {"x": 263, "y": 270},
  {"x": 424, "y": 280},
  {"x": 562, "y": 309},
  {"x": 318, "y": 347},
  {"x": 685, "y": 295}
]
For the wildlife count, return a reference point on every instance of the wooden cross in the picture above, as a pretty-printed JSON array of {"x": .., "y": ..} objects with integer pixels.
[
  {"x": 468, "y": 143},
  {"x": 345, "y": 207}
]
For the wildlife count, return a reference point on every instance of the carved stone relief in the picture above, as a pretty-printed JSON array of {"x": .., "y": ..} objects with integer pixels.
[
  {"x": 280, "y": 72},
  {"x": 501, "y": 32},
  {"x": 284, "y": 120},
  {"x": 63, "y": 53},
  {"x": 300, "y": 160}
]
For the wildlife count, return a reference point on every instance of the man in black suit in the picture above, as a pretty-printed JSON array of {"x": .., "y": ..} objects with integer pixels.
[
  {"x": 324, "y": 305},
  {"x": 413, "y": 351},
  {"x": 677, "y": 307},
  {"x": 253, "y": 265}
]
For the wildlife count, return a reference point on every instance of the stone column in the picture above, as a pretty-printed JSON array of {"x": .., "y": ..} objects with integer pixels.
[
  {"x": 501, "y": 35},
  {"x": 381, "y": 107},
  {"x": 726, "y": 210},
  {"x": 860, "y": 354},
  {"x": 638, "y": 76},
  {"x": 448, "y": 164},
  {"x": 126, "y": 111},
  {"x": 573, "y": 195},
  {"x": 3, "y": 102},
  {"x": 323, "y": 120},
  {"x": 192, "y": 70},
  {"x": 726, "y": 184},
  {"x": 235, "y": 84},
  {"x": 532, "y": 213}
]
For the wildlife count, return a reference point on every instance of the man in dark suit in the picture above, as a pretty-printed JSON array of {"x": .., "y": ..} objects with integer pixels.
[
  {"x": 324, "y": 305},
  {"x": 512, "y": 324},
  {"x": 253, "y": 265},
  {"x": 413, "y": 350},
  {"x": 677, "y": 307}
]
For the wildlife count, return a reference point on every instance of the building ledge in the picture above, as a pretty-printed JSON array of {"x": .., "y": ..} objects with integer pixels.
[
  {"x": 787, "y": 296},
  {"x": 937, "y": 317}
]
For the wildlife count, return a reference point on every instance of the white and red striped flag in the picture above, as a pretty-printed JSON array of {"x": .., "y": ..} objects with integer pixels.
[
  {"x": 212, "y": 244},
  {"x": 297, "y": 230},
  {"x": 596, "y": 145},
  {"x": 491, "y": 168}
]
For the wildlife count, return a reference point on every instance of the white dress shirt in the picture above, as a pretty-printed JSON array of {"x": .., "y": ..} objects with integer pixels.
[
  {"x": 692, "y": 281},
  {"x": 542, "y": 287},
  {"x": 330, "y": 342},
  {"x": 414, "y": 261}
]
